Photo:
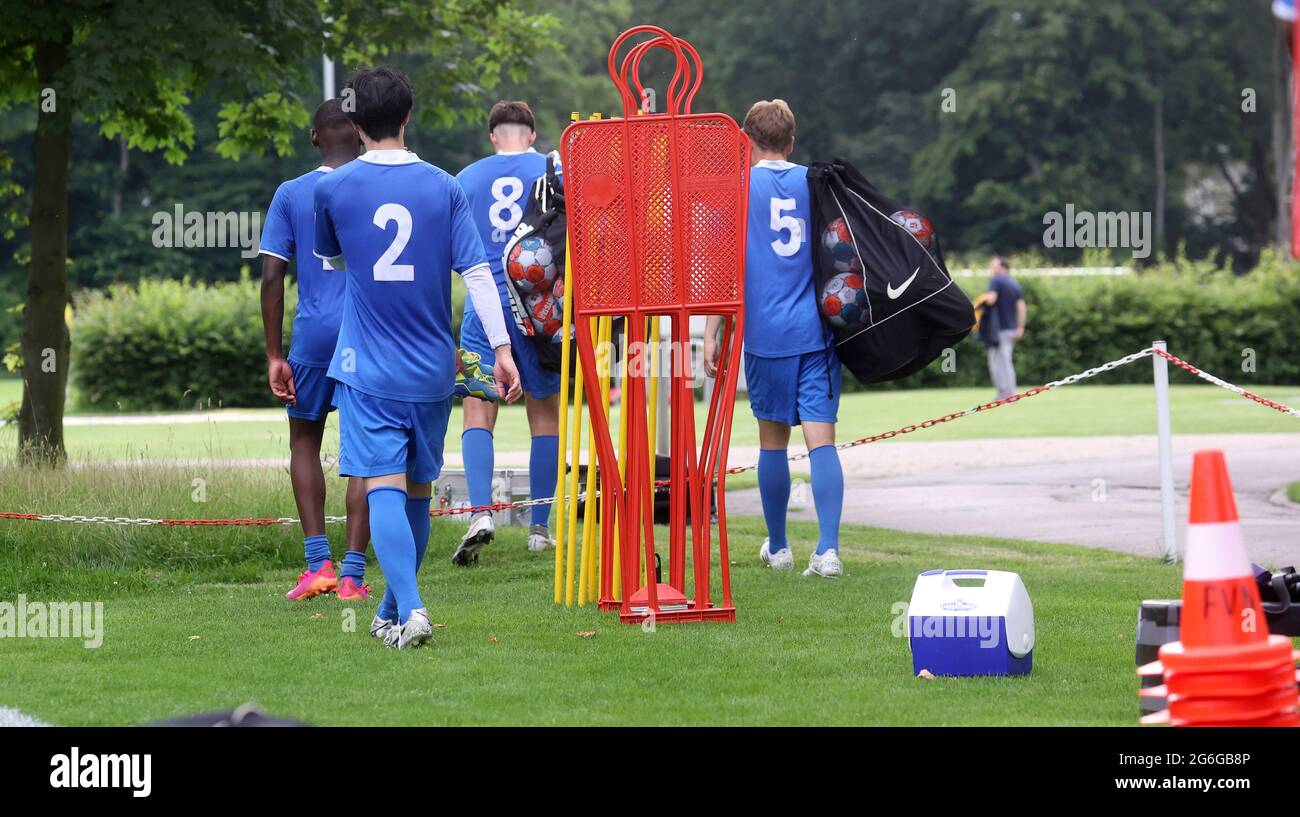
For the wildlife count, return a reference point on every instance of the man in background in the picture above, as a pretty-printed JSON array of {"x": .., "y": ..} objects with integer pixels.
[
  {"x": 299, "y": 380},
  {"x": 1005, "y": 303}
]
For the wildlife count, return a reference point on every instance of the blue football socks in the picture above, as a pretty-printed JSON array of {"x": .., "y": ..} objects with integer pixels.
[
  {"x": 417, "y": 515},
  {"x": 774, "y": 492},
  {"x": 543, "y": 462},
  {"x": 354, "y": 567},
  {"x": 828, "y": 495},
  {"x": 476, "y": 452},
  {"x": 316, "y": 549},
  {"x": 394, "y": 543}
]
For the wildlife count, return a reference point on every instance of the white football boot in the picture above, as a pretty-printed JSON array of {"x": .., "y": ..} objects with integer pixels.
[
  {"x": 827, "y": 565},
  {"x": 416, "y": 632},
  {"x": 481, "y": 531},
  {"x": 783, "y": 559},
  {"x": 379, "y": 627},
  {"x": 539, "y": 539}
]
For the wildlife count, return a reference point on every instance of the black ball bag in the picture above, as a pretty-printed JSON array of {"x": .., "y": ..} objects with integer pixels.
[
  {"x": 912, "y": 310},
  {"x": 545, "y": 219}
]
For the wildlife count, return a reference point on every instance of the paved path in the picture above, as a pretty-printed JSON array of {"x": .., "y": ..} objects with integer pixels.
[{"x": 1095, "y": 491}]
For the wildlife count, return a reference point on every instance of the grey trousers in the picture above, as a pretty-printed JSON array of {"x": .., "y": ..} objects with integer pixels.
[{"x": 1002, "y": 371}]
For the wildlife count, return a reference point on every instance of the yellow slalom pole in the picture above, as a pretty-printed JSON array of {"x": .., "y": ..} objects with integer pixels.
[
  {"x": 561, "y": 503},
  {"x": 591, "y": 503},
  {"x": 607, "y": 362},
  {"x": 622, "y": 458},
  {"x": 561, "y": 508},
  {"x": 576, "y": 453},
  {"x": 653, "y": 396},
  {"x": 652, "y": 406}
]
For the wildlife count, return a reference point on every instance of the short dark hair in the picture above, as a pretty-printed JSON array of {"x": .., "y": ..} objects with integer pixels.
[
  {"x": 1002, "y": 261},
  {"x": 330, "y": 116},
  {"x": 382, "y": 99},
  {"x": 511, "y": 113}
]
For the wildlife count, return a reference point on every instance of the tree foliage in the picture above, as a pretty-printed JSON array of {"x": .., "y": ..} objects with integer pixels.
[{"x": 135, "y": 73}]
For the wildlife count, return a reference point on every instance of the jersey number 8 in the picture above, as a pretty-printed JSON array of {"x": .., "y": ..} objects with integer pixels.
[{"x": 505, "y": 212}]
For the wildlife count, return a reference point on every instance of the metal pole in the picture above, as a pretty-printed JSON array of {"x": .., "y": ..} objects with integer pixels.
[
  {"x": 1164, "y": 435},
  {"x": 327, "y": 76}
]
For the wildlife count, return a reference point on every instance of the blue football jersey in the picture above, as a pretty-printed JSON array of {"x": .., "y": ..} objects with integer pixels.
[
  {"x": 288, "y": 233},
  {"x": 781, "y": 316},
  {"x": 499, "y": 189},
  {"x": 401, "y": 227}
]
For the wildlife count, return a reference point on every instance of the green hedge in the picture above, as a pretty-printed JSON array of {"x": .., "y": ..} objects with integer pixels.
[
  {"x": 180, "y": 344},
  {"x": 163, "y": 344},
  {"x": 168, "y": 345},
  {"x": 1209, "y": 317}
]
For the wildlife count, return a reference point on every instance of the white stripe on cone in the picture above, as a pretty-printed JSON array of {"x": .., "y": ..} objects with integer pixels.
[{"x": 1215, "y": 550}]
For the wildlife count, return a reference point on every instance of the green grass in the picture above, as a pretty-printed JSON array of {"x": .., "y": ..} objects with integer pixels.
[
  {"x": 1075, "y": 411},
  {"x": 1293, "y": 491},
  {"x": 196, "y": 620}
]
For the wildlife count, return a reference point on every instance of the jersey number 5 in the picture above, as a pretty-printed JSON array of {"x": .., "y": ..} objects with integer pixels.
[
  {"x": 385, "y": 269},
  {"x": 782, "y": 223}
]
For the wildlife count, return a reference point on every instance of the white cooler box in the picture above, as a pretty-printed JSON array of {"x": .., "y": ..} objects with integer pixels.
[{"x": 971, "y": 622}]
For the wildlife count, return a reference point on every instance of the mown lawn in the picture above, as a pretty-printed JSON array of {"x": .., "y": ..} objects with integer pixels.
[{"x": 196, "y": 620}]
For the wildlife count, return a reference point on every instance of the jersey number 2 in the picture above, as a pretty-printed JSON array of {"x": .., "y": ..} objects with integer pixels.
[{"x": 385, "y": 269}]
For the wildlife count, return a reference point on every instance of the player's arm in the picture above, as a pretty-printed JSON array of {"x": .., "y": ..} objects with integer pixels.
[
  {"x": 470, "y": 259},
  {"x": 276, "y": 248},
  {"x": 1022, "y": 312},
  {"x": 279, "y": 374}
]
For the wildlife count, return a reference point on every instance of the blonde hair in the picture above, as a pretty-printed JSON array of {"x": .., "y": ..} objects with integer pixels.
[{"x": 770, "y": 124}]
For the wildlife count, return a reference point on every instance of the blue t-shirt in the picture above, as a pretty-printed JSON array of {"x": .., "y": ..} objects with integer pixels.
[
  {"x": 499, "y": 188},
  {"x": 288, "y": 234},
  {"x": 781, "y": 316},
  {"x": 401, "y": 226},
  {"x": 1009, "y": 294}
]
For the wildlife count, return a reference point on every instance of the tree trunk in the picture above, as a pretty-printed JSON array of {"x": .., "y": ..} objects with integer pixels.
[
  {"x": 1159, "y": 158},
  {"x": 45, "y": 342}
]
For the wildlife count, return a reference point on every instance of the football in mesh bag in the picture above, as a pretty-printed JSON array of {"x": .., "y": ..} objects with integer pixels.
[
  {"x": 547, "y": 314},
  {"x": 844, "y": 301},
  {"x": 837, "y": 243},
  {"x": 531, "y": 265},
  {"x": 916, "y": 224}
]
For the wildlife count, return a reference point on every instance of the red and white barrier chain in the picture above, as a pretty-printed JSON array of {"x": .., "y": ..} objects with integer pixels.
[
  {"x": 528, "y": 503},
  {"x": 1223, "y": 384}
]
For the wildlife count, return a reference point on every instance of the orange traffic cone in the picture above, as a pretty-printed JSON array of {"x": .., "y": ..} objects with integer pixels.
[
  {"x": 1225, "y": 669},
  {"x": 1221, "y": 605}
]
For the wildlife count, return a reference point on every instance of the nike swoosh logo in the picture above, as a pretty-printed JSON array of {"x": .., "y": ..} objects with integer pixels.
[{"x": 894, "y": 293}]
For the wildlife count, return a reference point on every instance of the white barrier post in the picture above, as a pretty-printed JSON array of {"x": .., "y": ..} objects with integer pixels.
[{"x": 1165, "y": 436}]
